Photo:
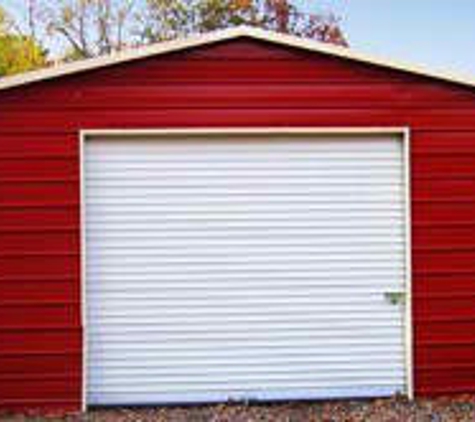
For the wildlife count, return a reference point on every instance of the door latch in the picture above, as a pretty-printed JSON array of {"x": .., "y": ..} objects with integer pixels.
[{"x": 395, "y": 298}]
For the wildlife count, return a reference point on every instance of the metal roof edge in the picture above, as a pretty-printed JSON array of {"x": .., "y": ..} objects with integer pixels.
[{"x": 223, "y": 35}]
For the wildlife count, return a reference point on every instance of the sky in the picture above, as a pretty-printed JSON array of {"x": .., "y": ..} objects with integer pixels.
[{"x": 438, "y": 34}]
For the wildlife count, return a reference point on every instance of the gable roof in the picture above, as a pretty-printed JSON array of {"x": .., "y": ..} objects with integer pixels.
[{"x": 224, "y": 35}]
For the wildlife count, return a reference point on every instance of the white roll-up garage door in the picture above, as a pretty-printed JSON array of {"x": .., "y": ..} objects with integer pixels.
[{"x": 244, "y": 268}]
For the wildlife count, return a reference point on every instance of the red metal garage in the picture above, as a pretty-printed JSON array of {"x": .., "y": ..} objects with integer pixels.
[{"x": 234, "y": 110}]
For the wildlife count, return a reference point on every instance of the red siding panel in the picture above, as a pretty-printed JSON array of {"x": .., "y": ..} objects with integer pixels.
[
  {"x": 16, "y": 365},
  {"x": 30, "y": 292},
  {"x": 445, "y": 285},
  {"x": 41, "y": 243},
  {"x": 236, "y": 83},
  {"x": 39, "y": 267},
  {"x": 39, "y": 218},
  {"x": 53, "y": 341},
  {"x": 39, "y": 316}
]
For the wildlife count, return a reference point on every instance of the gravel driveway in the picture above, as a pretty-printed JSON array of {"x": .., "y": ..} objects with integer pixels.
[{"x": 444, "y": 409}]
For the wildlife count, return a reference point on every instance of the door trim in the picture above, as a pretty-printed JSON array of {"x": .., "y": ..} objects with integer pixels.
[{"x": 403, "y": 133}]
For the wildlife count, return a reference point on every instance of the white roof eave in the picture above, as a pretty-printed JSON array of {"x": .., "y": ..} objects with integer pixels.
[{"x": 217, "y": 36}]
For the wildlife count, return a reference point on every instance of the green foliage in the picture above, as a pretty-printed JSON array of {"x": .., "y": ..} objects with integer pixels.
[
  {"x": 19, "y": 54},
  {"x": 89, "y": 28}
]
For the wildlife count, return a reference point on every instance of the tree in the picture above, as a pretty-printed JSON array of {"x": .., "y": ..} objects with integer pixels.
[
  {"x": 18, "y": 52},
  {"x": 284, "y": 16},
  {"x": 167, "y": 19},
  {"x": 95, "y": 27},
  {"x": 90, "y": 27}
]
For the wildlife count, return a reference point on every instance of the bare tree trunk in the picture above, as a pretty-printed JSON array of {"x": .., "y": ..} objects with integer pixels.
[{"x": 31, "y": 10}]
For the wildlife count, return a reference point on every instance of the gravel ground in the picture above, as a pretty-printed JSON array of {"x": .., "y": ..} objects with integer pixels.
[{"x": 444, "y": 409}]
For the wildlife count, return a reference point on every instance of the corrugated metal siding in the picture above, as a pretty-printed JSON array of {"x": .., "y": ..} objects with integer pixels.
[
  {"x": 244, "y": 268},
  {"x": 39, "y": 147}
]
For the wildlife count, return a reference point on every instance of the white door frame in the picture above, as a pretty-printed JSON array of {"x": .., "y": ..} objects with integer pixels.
[{"x": 403, "y": 134}]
